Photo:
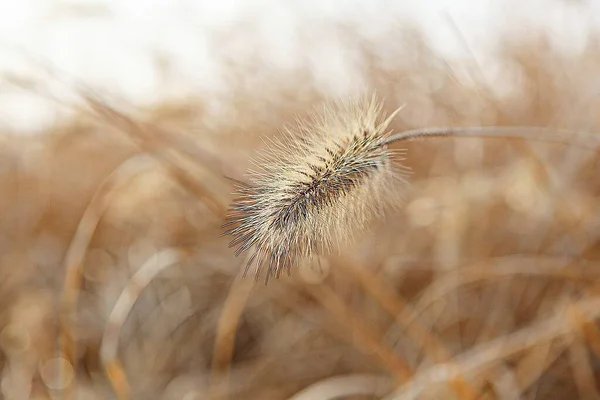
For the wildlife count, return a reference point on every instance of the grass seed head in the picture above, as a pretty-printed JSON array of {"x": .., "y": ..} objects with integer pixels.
[{"x": 318, "y": 186}]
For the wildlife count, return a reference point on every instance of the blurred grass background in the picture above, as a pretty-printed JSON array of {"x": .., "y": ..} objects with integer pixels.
[{"x": 116, "y": 283}]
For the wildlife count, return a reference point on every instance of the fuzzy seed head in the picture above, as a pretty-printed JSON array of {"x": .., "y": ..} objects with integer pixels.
[{"x": 316, "y": 188}]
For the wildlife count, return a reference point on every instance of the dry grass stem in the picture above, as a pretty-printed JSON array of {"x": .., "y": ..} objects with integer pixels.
[
  {"x": 339, "y": 387},
  {"x": 109, "y": 346},
  {"x": 419, "y": 334},
  {"x": 227, "y": 328},
  {"x": 365, "y": 336},
  {"x": 148, "y": 141},
  {"x": 75, "y": 256},
  {"x": 480, "y": 357}
]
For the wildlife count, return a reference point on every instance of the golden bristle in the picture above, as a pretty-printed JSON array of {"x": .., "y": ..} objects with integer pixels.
[{"x": 316, "y": 188}]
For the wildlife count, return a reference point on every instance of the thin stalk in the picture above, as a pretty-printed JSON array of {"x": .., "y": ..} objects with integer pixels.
[{"x": 543, "y": 134}]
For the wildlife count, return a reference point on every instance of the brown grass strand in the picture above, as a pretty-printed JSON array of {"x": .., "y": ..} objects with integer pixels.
[
  {"x": 147, "y": 141},
  {"x": 74, "y": 259},
  {"x": 505, "y": 384},
  {"x": 535, "y": 362},
  {"x": 109, "y": 346},
  {"x": 397, "y": 308},
  {"x": 588, "y": 329},
  {"x": 365, "y": 336},
  {"x": 481, "y": 356},
  {"x": 490, "y": 271},
  {"x": 586, "y": 332},
  {"x": 227, "y": 327},
  {"x": 583, "y": 371},
  {"x": 400, "y": 311},
  {"x": 338, "y": 387}
]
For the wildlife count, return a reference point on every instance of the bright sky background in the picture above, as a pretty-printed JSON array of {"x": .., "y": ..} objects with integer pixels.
[{"x": 115, "y": 43}]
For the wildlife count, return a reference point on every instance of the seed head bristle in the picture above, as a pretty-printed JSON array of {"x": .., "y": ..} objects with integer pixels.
[{"x": 318, "y": 186}]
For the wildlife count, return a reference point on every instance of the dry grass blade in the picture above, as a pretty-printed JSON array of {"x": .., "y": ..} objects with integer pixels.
[
  {"x": 399, "y": 309},
  {"x": 339, "y": 387},
  {"x": 480, "y": 357},
  {"x": 367, "y": 338},
  {"x": 234, "y": 305},
  {"x": 505, "y": 384},
  {"x": 148, "y": 142},
  {"x": 74, "y": 259},
  {"x": 589, "y": 329},
  {"x": 489, "y": 272},
  {"x": 583, "y": 371},
  {"x": 110, "y": 340},
  {"x": 537, "y": 360},
  {"x": 403, "y": 314}
]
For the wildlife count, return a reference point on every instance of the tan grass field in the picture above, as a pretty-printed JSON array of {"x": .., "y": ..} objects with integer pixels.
[{"x": 115, "y": 281}]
